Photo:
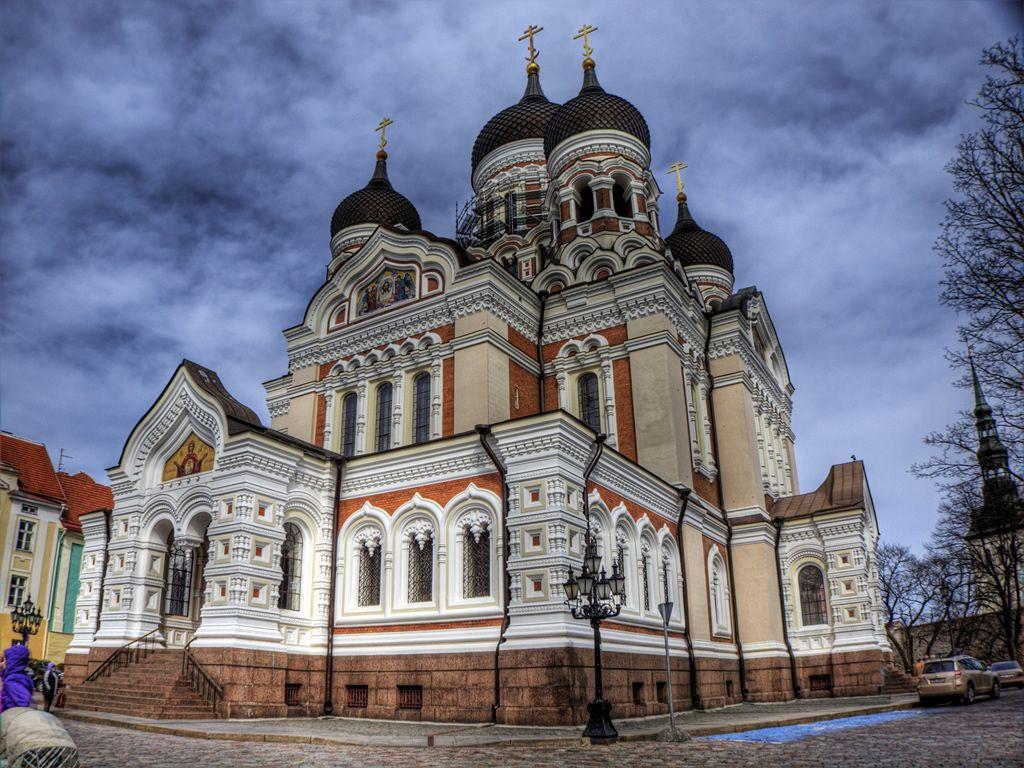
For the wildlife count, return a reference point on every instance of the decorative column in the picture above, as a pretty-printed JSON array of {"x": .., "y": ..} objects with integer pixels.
[
  {"x": 328, "y": 418},
  {"x": 562, "y": 380},
  {"x": 435, "y": 400},
  {"x": 609, "y": 401},
  {"x": 396, "y": 409},
  {"x": 361, "y": 409},
  {"x": 94, "y": 560}
]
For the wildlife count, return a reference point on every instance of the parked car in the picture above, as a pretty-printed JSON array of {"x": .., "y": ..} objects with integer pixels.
[
  {"x": 1010, "y": 673},
  {"x": 960, "y": 678}
]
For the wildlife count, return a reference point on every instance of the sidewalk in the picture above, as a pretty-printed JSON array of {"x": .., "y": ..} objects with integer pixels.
[{"x": 362, "y": 732}]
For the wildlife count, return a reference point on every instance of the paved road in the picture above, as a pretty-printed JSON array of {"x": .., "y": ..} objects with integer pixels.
[{"x": 988, "y": 734}]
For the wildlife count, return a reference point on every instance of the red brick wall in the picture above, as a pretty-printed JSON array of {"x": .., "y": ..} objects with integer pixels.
[
  {"x": 523, "y": 344},
  {"x": 529, "y": 397},
  {"x": 321, "y": 419},
  {"x": 448, "y": 396},
  {"x": 636, "y": 511},
  {"x": 442, "y": 493},
  {"x": 621, "y": 374}
]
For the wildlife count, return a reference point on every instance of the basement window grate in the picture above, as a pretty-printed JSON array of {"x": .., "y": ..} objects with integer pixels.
[
  {"x": 291, "y": 694},
  {"x": 357, "y": 696},
  {"x": 821, "y": 682},
  {"x": 410, "y": 697}
]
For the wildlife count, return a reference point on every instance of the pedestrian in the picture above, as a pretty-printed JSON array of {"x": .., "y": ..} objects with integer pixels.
[
  {"x": 17, "y": 685},
  {"x": 51, "y": 684}
]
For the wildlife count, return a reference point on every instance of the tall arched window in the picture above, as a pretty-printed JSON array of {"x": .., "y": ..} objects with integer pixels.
[
  {"x": 421, "y": 408},
  {"x": 368, "y": 588},
  {"x": 383, "y": 441},
  {"x": 586, "y": 204},
  {"x": 348, "y": 424},
  {"x": 812, "y": 596},
  {"x": 719, "y": 587},
  {"x": 590, "y": 405},
  {"x": 621, "y": 200},
  {"x": 289, "y": 595},
  {"x": 476, "y": 560},
  {"x": 179, "y": 581},
  {"x": 421, "y": 565},
  {"x": 645, "y": 577}
]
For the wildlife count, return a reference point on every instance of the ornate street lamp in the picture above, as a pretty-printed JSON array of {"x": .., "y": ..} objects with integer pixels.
[
  {"x": 25, "y": 620},
  {"x": 595, "y": 596}
]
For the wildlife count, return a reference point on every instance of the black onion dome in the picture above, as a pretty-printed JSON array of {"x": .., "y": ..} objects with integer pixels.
[
  {"x": 692, "y": 246},
  {"x": 594, "y": 109},
  {"x": 376, "y": 203},
  {"x": 526, "y": 119}
]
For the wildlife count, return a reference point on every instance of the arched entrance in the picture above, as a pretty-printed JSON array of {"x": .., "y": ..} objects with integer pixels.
[{"x": 184, "y": 584}]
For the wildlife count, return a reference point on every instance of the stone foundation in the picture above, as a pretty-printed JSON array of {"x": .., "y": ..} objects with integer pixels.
[{"x": 545, "y": 686}]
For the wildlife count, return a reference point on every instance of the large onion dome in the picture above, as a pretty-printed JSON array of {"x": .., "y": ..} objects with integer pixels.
[
  {"x": 527, "y": 119},
  {"x": 376, "y": 203},
  {"x": 692, "y": 246},
  {"x": 594, "y": 109}
]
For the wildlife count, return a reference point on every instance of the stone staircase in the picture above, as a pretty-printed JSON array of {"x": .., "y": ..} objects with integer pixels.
[
  {"x": 151, "y": 687},
  {"x": 897, "y": 681}
]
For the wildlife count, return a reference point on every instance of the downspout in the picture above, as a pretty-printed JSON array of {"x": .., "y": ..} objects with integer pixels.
[
  {"x": 484, "y": 431},
  {"x": 329, "y": 661},
  {"x": 782, "y": 610},
  {"x": 591, "y": 465},
  {"x": 728, "y": 524},
  {"x": 543, "y": 296},
  {"x": 684, "y": 500}
]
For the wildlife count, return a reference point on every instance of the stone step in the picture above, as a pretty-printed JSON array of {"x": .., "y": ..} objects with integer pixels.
[{"x": 155, "y": 713}]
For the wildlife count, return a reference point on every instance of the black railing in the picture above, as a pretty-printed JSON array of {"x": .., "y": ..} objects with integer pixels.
[
  {"x": 198, "y": 679},
  {"x": 128, "y": 654}
]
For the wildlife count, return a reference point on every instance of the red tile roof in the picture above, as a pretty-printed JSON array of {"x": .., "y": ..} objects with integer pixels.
[
  {"x": 83, "y": 494},
  {"x": 35, "y": 470},
  {"x": 843, "y": 489}
]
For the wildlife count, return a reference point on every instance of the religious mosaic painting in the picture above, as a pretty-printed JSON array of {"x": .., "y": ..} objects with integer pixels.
[
  {"x": 192, "y": 457},
  {"x": 390, "y": 287}
]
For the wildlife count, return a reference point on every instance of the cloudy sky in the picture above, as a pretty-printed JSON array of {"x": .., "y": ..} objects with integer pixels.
[{"x": 170, "y": 169}]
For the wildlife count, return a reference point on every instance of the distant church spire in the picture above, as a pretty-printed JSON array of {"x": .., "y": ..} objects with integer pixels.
[{"x": 999, "y": 491}]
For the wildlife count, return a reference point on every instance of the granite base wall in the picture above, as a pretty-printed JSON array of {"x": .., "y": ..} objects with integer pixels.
[{"x": 859, "y": 673}]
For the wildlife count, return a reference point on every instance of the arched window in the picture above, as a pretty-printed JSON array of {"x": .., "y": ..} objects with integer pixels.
[
  {"x": 719, "y": 586},
  {"x": 590, "y": 405},
  {"x": 476, "y": 559},
  {"x": 368, "y": 589},
  {"x": 289, "y": 594},
  {"x": 645, "y": 576},
  {"x": 602, "y": 273},
  {"x": 586, "y": 204},
  {"x": 421, "y": 564},
  {"x": 383, "y": 441},
  {"x": 812, "y": 596},
  {"x": 421, "y": 408},
  {"x": 348, "y": 424},
  {"x": 621, "y": 200}
]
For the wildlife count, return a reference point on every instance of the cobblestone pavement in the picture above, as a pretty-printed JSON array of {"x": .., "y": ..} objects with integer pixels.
[{"x": 988, "y": 733}]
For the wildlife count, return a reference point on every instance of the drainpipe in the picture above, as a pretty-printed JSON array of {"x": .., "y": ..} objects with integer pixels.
[
  {"x": 484, "y": 431},
  {"x": 543, "y": 296},
  {"x": 728, "y": 524},
  {"x": 329, "y": 661},
  {"x": 684, "y": 500},
  {"x": 782, "y": 610},
  {"x": 591, "y": 465}
]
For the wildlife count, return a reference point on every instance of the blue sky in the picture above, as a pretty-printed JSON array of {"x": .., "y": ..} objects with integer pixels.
[{"x": 169, "y": 172}]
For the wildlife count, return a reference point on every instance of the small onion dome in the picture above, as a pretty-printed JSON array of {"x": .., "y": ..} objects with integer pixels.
[
  {"x": 594, "y": 109},
  {"x": 692, "y": 246},
  {"x": 527, "y": 119},
  {"x": 376, "y": 203}
]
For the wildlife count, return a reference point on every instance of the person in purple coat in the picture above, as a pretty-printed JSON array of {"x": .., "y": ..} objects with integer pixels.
[{"x": 17, "y": 684}]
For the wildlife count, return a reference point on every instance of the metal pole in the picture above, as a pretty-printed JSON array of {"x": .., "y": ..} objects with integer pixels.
[{"x": 666, "y": 612}]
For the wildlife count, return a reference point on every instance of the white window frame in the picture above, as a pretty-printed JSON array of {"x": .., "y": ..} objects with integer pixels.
[
  {"x": 721, "y": 624},
  {"x": 25, "y": 538},
  {"x": 21, "y": 589}
]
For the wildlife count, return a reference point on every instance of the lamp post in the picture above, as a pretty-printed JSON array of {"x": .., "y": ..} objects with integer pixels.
[
  {"x": 595, "y": 596},
  {"x": 25, "y": 620}
]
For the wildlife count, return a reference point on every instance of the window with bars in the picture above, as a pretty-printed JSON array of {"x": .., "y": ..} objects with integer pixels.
[
  {"x": 421, "y": 571},
  {"x": 620, "y": 554},
  {"x": 291, "y": 694},
  {"x": 812, "y": 596},
  {"x": 590, "y": 406},
  {"x": 476, "y": 565},
  {"x": 369, "y": 575},
  {"x": 383, "y": 441},
  {"x": 410, "y": 697},
  {"x": 348, "y": 424},
  {"x": 421, "y": 408},
  {"x": 179, "y": 581},
  {"x": 357, "y": 696},
  {"x": 26, "y": 535},
  {"x": 645, "y": 574},
  {"x": 289, "y": 596}
]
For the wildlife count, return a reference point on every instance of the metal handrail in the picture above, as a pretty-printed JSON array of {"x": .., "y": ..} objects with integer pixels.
[
  {"x": 198, "y": 679},
  {"x": 130, "y": 653}
]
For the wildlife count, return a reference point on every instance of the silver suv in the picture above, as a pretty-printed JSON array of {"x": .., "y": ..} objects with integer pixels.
[{"x": 960, "y": 678}]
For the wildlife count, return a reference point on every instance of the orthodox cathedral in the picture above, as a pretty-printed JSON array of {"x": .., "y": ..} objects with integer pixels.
[{"x": 460, "y": 419}]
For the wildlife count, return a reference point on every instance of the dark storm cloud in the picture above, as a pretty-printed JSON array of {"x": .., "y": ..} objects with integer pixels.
[{"x": 169, "y": 172}]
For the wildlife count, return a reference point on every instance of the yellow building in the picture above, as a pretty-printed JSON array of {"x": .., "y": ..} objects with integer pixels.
[{"x": 41, "y": 540}]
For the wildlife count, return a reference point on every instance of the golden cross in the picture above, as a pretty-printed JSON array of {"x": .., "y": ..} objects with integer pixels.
[
  {"x": 677, "y": 168},
  {"x": 528, "y": 34},
  {"x": 383, "y": 127},
  {"x": 585, "y": 30}
]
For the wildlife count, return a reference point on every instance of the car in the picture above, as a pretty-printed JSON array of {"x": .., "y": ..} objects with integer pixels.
[
  {"x": 1010, "y": 673},
  {"x": 957, "y": 678}
]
